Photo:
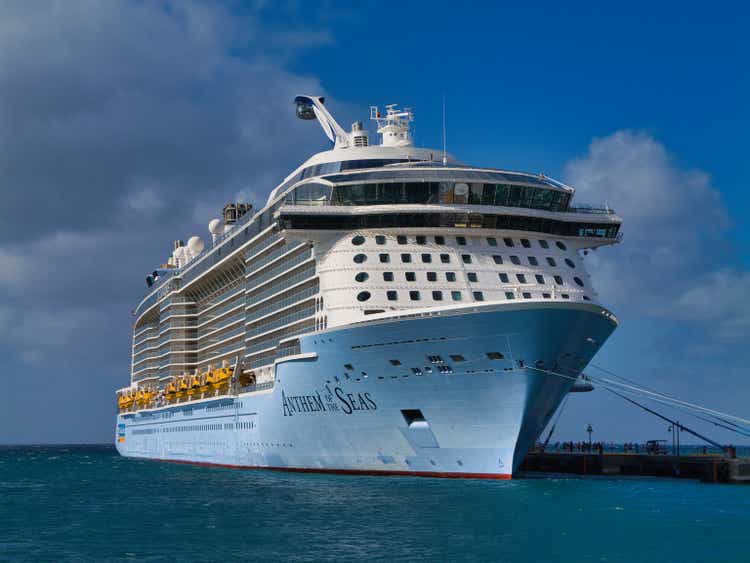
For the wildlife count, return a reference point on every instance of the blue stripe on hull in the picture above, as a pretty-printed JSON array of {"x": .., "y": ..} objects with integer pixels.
[{"x": 324, "y": 415}]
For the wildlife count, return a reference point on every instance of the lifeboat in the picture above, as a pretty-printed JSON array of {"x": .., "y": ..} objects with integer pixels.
[
  {"x": 182, "y": 388},
  {"x": 205, "y": 383},
  {"x": 195, "y": 385},
  {"x": 221, "y": 377},
  {"x": 170, "y": 391}
]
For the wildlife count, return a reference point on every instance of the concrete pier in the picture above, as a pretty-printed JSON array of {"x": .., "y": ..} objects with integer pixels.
[{"x": 707, "y": 468}]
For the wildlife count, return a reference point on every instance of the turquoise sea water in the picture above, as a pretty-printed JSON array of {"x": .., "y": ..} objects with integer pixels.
[{"x": 86, "y": 503}]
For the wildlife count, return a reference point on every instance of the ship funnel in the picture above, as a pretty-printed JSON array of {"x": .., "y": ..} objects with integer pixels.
[{"x": 358, "y": 136}]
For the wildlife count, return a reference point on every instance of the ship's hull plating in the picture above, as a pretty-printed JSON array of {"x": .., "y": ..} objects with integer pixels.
[{"x": 343, "y": 406}]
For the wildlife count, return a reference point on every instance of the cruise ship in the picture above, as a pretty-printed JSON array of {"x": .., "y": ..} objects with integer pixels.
[{"x": 389, "y": 310}]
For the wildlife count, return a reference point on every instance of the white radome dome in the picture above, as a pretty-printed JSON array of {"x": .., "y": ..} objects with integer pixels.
[
  {"x": 215, "y": 227},
  {"x": 195, "y": 246}
]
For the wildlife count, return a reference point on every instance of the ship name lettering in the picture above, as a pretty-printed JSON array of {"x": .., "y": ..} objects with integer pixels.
[
  {"x": 296, "y": 404},
  {"x": 351, "y": 402}
]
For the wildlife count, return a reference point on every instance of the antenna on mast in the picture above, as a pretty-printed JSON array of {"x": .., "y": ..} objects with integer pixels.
[{"x": 445, "y": 150}]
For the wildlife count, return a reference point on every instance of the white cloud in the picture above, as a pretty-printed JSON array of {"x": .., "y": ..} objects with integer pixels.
[
  {"x": 121, "y": 121},
  {"x": 670, "y": 263}
]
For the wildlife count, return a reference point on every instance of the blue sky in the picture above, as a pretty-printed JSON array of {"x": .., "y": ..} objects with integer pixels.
[{"x": 127, "y": 125}]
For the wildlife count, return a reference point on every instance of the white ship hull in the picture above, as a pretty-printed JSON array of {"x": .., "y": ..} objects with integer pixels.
[{"x": 341, "y": 405}]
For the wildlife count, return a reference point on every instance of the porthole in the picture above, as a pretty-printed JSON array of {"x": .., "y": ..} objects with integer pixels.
[
  {"x": 380, "y": 239},
  {"x": 503, "y": 278},
  {"x": 401, "y": 239},
  {"x": 539, "y": 278},
  {"x": 497, "y": 258},
  {"x": 560, "y": 245},
  {"x": 360, "y": 258},
  {"x": 388, "y": 276},
  {"x": 384, "y": 258},
  {"x": 392, "y": 295},
  {"x": 358, "y": 240},
  {"x": 525, "y": 243},
  {"x": 478, "y": 296},
  {"x": 551, "y": 261},
  {"x": 437, "y": 295},
  {"x": 558, "y": 280},
  {"x": 362, "y": 276},
  {"x": 570, "y": 263},
  {"x": 363, "y": 296},
  {"x": 515, "y": 260},
  {"x": 578, "y": 281}
]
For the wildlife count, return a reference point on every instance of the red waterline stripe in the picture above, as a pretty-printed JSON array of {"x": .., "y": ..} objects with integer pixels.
[{"x": 439, "y": 474}]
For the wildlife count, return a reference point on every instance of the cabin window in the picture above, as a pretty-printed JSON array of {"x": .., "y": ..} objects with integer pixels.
[
  {"x": 551, "y": 261},
  {"x": 380, "y": 239},
  {"x": 384, "y": 258},
  {"x": 392, "y": 295},
  {"x": 561, "y": 245},
  {"x": 521, "y": 278},
  {"x": 526, "y": 295},
  {"x": 495, "y": 356},
  {"x": 509, "y": 295},
  {"x": 360, "y": 258},
  {"x": 358, "y": 240},
  {"x": 497, "y": 258},
  {"x": 461, "y": 241},
  {"x": 478, "y": 296},
  {"x": 578, "y": 281},
  {"x": 504, "y": 278},
  {"x": 492, "y": 241},
  {"x": 543, "y": 243},
  {"x": 525, "y": 243},
  {"x": 439, "y": 240},
  {"x": 406, "y": 258},
  {"x": 387, "y": 276},
  {"x": 570, "y": 263},
  {"x": 532, "y": 260},
  {"x": 362, "y": 276},
  {"x": 426, "y": 258},
  {"x": 539, "y": 278},
  {"x": 395, "y": 362},
  {"x": 516, "y": 260},
  {"x": 432, "y": 276},
  {"x": 466, "y": 258},
  {"x": 421, "y": 239},
  {"x": 401, "y": 239},
  {"x": 414, "y": 295},
  {"x": 472, "y": 276},
  {"x": 411, "y": 276},
  {"x": 508, "y": 242},
  {"x": 363, "y": 296},
  {"x": 457, "y": 358},
  {"x": 437, "y": 295},
  {"x": 559, "y": 280},
  {"x": 450, "y": 276},
  {"x": 456, "y": 295},
  {"x": 445, "y": 258}
]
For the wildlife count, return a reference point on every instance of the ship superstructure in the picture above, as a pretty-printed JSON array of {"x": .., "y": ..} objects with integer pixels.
[{"x": 388, "y": 310}]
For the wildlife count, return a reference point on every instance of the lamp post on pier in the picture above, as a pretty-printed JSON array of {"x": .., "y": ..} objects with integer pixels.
[{"x": 589, "y": 429}]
